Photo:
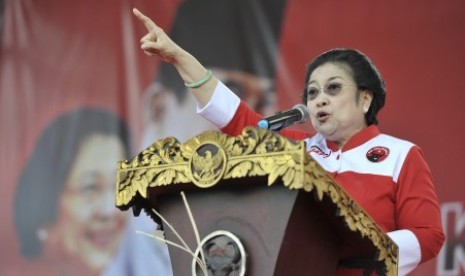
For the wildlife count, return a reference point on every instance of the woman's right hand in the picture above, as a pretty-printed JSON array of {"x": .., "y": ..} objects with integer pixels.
[{"x": 156, "y": 41}]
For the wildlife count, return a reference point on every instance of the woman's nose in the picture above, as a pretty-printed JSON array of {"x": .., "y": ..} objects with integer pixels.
[
  {"x": 322, "y": 100},
  {"x": 107, "y": 206}
]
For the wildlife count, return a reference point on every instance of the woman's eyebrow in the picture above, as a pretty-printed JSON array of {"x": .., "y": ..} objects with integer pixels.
[{"x": 330, "y": 79}]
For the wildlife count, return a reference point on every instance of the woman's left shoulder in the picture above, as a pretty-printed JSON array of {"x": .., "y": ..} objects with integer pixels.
[{"x": 394, "y": 142}]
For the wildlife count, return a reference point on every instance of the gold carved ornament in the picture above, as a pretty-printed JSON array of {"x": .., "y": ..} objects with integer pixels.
[{"x": 211, "y": 156}]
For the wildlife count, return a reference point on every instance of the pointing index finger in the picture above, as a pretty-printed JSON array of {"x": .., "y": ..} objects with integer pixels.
[{"x": 149, "y": 24}]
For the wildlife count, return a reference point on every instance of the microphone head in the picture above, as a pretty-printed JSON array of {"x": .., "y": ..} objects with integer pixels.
[
  {"x": 263, "y": 124},
  {"x": 304, "y": 110}
]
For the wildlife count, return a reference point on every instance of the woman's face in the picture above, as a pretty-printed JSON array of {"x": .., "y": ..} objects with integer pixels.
[
  {"x": 336, "y": 109},
  {"x": 89, "y": 227}
]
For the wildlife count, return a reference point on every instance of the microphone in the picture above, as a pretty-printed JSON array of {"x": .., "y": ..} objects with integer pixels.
[{"x": 297, "y": 115}]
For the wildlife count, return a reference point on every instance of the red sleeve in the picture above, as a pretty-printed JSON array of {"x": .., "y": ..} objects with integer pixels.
[
  {"x": 417, "y": 204},
  {"x": 245, "y": 116}
]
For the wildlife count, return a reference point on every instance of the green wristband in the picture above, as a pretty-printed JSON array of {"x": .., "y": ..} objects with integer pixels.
[{"x": 201, "y": 82}]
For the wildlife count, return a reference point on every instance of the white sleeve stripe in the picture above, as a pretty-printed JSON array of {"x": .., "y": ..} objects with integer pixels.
[
  {"x": 222, "y": 106},
  {"x": 409, "y": 250}
]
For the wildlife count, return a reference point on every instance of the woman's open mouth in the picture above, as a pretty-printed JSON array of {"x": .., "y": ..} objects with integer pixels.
[
  {"x": 102, "y": 239},
  {"x": 322, "y": 116}
]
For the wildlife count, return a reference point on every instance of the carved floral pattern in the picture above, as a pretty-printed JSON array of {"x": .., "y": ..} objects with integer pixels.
[{"x": 211, "y": 156}]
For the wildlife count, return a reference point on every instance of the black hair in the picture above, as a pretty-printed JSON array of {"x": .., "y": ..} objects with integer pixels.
[
  {"x": 43, "y": 178},
  {"x": 364, "y": 72}
]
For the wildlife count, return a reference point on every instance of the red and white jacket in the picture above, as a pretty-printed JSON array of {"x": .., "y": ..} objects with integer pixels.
[{"x": 387, "y": 176}]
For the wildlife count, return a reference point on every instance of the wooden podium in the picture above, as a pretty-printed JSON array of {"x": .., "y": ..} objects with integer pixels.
[{"x": 262, "y": 206}]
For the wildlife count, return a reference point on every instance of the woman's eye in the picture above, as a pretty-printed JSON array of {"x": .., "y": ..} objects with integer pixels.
[
  {"x": 312, "y": 91},
  {"x": 88, "y": 188},
  {"x": 333, "y": 88}
]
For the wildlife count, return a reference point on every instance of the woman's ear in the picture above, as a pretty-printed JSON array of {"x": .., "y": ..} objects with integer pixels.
[{"x": 366, "y": 98}]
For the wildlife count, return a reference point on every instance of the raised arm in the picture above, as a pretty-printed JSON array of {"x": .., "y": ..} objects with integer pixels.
[{"x": 157, "y": 43}]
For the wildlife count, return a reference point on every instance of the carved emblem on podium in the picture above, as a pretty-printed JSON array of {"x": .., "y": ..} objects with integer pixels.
[
  {"x": 207, "y": 164},
  {"x": 224, "y": 254}
]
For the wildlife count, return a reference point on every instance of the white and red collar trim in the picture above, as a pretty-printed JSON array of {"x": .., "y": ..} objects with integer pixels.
[{"x": 358, "y": 139}]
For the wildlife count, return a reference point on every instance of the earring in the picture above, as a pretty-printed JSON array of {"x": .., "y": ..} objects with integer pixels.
[
  {"x": 365, "y": 109},
  {"x": 42, "y": 234}
]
